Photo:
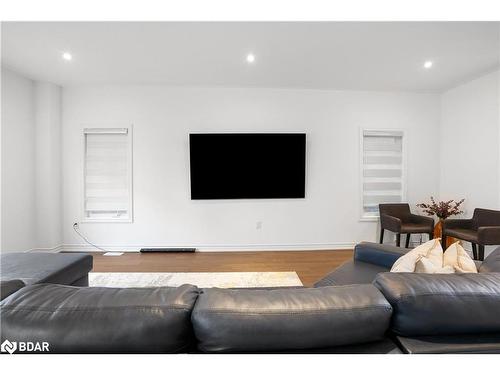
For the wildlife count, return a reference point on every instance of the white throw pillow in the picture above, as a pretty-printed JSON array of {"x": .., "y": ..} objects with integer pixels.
[
  {"x": 456, "y": 256},
  {"x": 424, "y": 265},
  {"x": 430, "y": 250}
]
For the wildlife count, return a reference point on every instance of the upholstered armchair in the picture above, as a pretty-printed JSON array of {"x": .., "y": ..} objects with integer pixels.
[
  {"x": 397, "y": 218},
  {"x": 483, "y": 229}
]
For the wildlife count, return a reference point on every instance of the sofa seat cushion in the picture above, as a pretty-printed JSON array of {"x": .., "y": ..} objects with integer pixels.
[
  {"x": 431, "y": 304},
  {"x": 37, "y": 268},
  {"x": 352, "y": 272},
  {"x": 100, "y": 320},
  {"x": 459, "y": 344},
  {"x": 463, "y": 234},
  {"x": 289, "y": 319}
]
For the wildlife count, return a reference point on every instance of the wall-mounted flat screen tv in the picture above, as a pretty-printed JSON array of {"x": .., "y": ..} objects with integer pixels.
[{"x": 247, "y": 166}]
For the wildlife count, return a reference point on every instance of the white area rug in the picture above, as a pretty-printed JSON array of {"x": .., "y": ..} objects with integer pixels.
[{"x": 200, "y": 279}]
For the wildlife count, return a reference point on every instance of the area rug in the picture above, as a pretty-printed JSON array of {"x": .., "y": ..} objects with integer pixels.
[{"x": 200, "y": 279}]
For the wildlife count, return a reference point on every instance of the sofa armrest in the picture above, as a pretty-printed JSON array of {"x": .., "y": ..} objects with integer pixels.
[
  {"x": 457, "y": 223},
  {"x": 442, "y": 304},
  {"x": 378, "y": 254},
  {"x": 391, "y": 223},
  {"x": 489, "y": 235},
  {"x": 491, "y": 263},
  {"x": 422, "y": 220}
]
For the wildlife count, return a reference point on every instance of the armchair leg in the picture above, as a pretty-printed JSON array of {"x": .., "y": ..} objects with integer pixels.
[
  {"x": 398, "y": 239},
  {"x": 407, "y": 240},
  {"x": 381, "y": 235},
  {"x": 481, "y": 252},
  {"x": 474, "y": 250}
]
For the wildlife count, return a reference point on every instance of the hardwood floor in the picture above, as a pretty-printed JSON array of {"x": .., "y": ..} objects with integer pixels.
[{"x": 309, "y": 265}]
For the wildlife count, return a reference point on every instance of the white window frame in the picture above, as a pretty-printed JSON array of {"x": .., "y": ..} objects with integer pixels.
[
  {"x": 362, "y": 131},
  {"x": 108, "y": 130}
]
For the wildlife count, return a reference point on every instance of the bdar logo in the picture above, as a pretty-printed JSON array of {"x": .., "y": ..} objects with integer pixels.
[
  {"x": 24, "y": 346},
  {"x": 8, "y": 346}
]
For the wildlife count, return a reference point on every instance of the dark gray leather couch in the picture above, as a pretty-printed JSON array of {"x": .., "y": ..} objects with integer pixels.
[{"x": 345, "y": 313}]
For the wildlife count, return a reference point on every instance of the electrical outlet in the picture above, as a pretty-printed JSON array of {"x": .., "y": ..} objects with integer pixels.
[{"x": 258, "y": 225}]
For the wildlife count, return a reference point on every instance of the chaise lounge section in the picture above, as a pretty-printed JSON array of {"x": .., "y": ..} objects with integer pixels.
[{"x": 20, "y": 269}]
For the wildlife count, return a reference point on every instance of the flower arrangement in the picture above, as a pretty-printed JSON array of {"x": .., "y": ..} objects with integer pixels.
[{"x": 442, "y": 209}]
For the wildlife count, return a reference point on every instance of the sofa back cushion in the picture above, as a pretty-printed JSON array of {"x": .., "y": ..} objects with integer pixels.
[
  {"x": 433, "y": 304},
  {"x": 100, "y": 320},
  {"x": 289, "y": 319}
]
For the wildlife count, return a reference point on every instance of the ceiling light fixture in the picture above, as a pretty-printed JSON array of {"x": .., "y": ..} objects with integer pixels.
[
  {"x": 67, "y": 56},
  {"x": 428, "y": 64},
  {"x": 250, "y": 58}
]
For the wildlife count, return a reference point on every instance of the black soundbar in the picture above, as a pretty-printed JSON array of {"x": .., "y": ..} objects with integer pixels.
[{"x": 169, "y": 250}]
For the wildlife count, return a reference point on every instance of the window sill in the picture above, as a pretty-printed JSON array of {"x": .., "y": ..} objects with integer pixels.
[
  {"x": 90, "y": 221},
  {"x": 369, "y": 219}
]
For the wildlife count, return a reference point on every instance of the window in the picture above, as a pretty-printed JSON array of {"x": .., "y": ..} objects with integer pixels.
[
  {"x": 108, "y": 175},
  {"x": 382, "y": 170}
]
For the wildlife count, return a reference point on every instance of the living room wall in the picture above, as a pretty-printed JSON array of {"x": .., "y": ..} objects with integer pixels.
[
  {"x": 18, "y": 223},
  {"x": 470, "y": 143},
  {"x": 448, "y": 156},
  {"x": 31, "y": 164},
  {"x": 162, "y": 118}
]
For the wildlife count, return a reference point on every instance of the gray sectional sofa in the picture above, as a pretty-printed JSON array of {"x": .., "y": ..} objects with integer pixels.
[{"x": 358, "y": 308}]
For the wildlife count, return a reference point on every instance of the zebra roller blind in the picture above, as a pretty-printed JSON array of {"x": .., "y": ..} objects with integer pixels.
[
  {"x": 107, "y": 175},
  {"x": 382, "y": 170}
]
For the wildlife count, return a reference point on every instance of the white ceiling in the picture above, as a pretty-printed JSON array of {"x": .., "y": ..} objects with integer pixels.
[{"x": 324, "y": 55}]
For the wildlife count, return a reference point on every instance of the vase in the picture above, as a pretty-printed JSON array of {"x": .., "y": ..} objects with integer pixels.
[{"x": 438, "y": 233}]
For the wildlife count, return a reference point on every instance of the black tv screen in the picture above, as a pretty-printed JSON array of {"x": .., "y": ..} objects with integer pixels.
[{"x": 247, "y": 166}]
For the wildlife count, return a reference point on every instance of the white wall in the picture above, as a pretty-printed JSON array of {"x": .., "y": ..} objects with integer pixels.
[
  {"x": 31, "y": 164},
  {"x": 48, "y": 177},
  {"x": 163, "y": 117},
  {"x": 18, "y": 163},
  {"x": 453, "y": 152},
  {"x": 470, "y": 142}
]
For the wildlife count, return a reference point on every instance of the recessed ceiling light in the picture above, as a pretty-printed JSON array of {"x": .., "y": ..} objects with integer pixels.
[
  {"x": 250, "y": 58},
  {"x": 428, "y": 64},
  {"x": 67, "y": 56}
]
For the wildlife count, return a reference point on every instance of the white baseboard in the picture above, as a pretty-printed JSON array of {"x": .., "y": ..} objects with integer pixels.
[
  {"x": 216, "y": 247},
  {"x": 55, "y": 249}
]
